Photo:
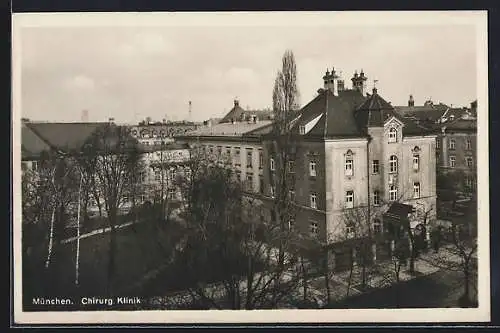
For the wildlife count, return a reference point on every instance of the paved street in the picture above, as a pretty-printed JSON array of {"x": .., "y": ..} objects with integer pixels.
[{"x": 440, "y": 289}]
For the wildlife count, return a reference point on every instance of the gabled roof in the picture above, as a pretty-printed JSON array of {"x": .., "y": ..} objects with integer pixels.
[
  {"x": 65, "y": 136},
  {"x": 237, "y": 113}
]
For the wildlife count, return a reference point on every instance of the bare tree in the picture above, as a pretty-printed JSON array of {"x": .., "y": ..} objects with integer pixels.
[
  {"x": 285, "y": 106},
  {"x": 116, "y": 157},
  {"x": 229, "y": 257}
]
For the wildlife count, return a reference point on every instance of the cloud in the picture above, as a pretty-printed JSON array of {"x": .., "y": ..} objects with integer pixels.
[
  {"x": 147, "y": 43},
  {"x": 81, "y": 83}
]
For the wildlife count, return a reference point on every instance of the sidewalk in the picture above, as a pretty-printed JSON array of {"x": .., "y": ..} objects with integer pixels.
[
  {"x": 97, "y": 232},
  {"x": 382, "y": 276}
]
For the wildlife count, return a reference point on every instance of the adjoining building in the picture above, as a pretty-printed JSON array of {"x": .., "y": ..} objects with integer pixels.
[
  {"x": 456, "y": 135},
  {"x": 351, "y": 150},
  {"x": 160, "y": 163}
]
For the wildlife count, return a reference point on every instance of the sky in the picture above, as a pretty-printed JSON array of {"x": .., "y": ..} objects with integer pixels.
[{"x": 130, "y": 72}]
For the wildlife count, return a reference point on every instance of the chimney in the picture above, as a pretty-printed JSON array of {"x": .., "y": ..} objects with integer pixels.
[
  {"x": 111, "y": 120},
  {"x": 85, "y": 116},
  {"x": 411, "y": 102}
]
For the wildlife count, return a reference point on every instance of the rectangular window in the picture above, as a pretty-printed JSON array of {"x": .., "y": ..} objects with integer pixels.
[
  {"x": 24, "y": 166},
  {"x": 375, "y": 167},
  {"x": 377, "y": 226},
  {"x": 249, "y": 158},
  {"x": 219, "y": 150},
  {"x": 416, "y": 162},
  {"x": 452, "y": 161},
  {"x": 157, "y": 175},
  {"x": 302, "y": 129},
  {"x": 171, "y": 194},
  {"x": 438, "y": 143},
  {"x": 349, "y": 199},
  {"x": 468, "y": 144},
  {"x": 468, "y": 181},
  {"x": 313, "y": 202},
  {"x": 34, "y": 165},
  {"x": 452, "y": 144},
  {"x": 470, "y": 161},
  {"x": 237, "y": 158},
  {"x": 249, "y": 184},
  {"x": 271, "y": 164},
  {"x": 261, "y": 159},
  {"x": 291, "y": 195},
  {"x": 349, "y": 166},
  {"x": 291, "y": 166},
  {"x": 238, "y": 176},
  {"x": 210, "y": 150},
  {"x": 416, "y": 190},
  {"x": 312, "y": 168},
  {"x": 228, "y": 152},
  {"x": 291, "y": 224},
  {"x": 261, "y": 185},
  {"x": 313, "y": 229},
  {"x": 376, "y": 198}
]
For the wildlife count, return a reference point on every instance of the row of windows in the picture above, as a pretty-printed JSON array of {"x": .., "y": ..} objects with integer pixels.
[
  {"x": 350, "y": 229},
  {"x": 452, "y": 143},
  {"x": 237, "y": 155},
  {"x": 349, "y": 196},
  {"x": 468, "y": 160},
  {"x": 349, "y": 165}
]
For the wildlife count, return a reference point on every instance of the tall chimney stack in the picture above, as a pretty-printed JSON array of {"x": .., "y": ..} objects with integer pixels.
[{"x": 85, "y": 116}]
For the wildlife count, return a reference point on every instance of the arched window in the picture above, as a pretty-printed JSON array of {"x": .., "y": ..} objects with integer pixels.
[
  {"x": 393, "y": 135},
  {"x": 393, "y": 164},
  {"x": 393, "y": 193},
  {"x": 349, "y": 163}
]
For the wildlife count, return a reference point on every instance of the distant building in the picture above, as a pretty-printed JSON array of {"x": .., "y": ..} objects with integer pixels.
[
  {"x": 158, "y": 133},
  {"x": 456, "y": 136},
  {"x": 161, "y": 163}
]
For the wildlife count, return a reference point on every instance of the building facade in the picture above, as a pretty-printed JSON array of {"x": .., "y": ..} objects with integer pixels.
[{"x": 349, "y": 150}]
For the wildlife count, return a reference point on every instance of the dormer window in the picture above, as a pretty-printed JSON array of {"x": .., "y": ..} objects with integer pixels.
[
  {"x": 393, "y": 135},
  {"x": 302, "y": 129}
]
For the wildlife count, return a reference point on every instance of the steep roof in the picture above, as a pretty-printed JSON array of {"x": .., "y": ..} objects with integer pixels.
[
  {"x": 64, "y": 136},
  {"x": 336, "y": 114},
  {"x": 237, "y": 113},
  {"x": 374, "y": 111},
  {"x": 31, "y": 144}
]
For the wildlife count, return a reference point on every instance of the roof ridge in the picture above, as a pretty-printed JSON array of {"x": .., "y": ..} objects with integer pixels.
[{"x": 325, "y": 131}]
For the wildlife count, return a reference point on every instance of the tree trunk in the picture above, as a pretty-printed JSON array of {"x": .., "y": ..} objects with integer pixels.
[
  {"x": 327, "y": 278},
  {"x": 350, "y": 275},
  {"x": 467, "y": 282},
  {"x": 112, "y": 251},
  {"x": 304, "y": 277},
  {"x": 51, "y": 238}
]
